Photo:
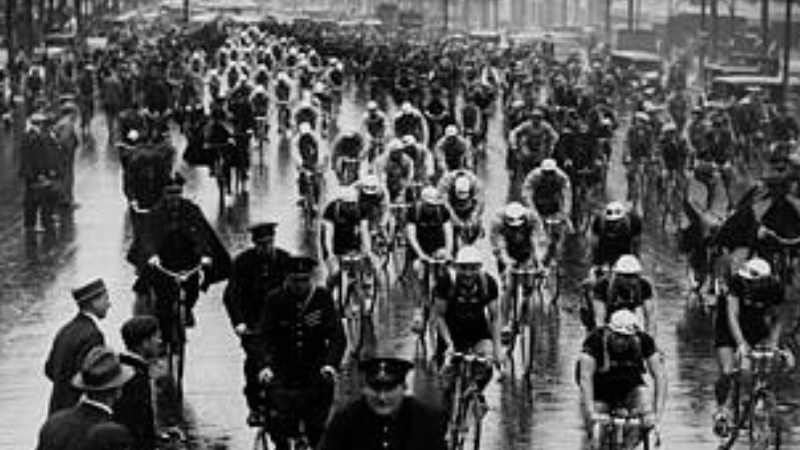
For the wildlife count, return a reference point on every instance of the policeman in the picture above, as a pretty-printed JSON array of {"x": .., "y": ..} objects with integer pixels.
[
  {"x": 384, "y": 417},
  {"x": 300, "y": 345},
  {"x": 255, "y": 273}
]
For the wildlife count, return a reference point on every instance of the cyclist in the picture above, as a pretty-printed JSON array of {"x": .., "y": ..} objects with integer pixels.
[
  {"x": 345, "y": 231},
  {"x": 715, "y": 157},
  {"x": 310, "y": 159},
  {"x": 464, "y": 198},
  {"x": 529, "y": 144},
  {"x": 255, "y": 272},
  {"x": 422, "y": 157},
  {"x": 348, "y": 152},
  {"x": 615, "y": 232},
  {"x": 373, "y": 126},
  {"x": 309, "y": 113},
  {"x": 373, "y": 202},
  {"x": 624, "y": 288},
  {"x": 640, "y": 143},
  {"x": 301, "y": 343},
  {"x": 283, "y": 95},
  {"x": 548, "y": 191},
  {"x": 674, "y": 153},
  {"x": 452, "y": 152},
  {"x": 748, "y": 316},
  {"x": 396, "y": 170},
  {"x": 410, "y": 121},
  {"x": 430, "y": 235},
  {"x": 466, "y": 309},
  {"x": 611, "y": 370},
  {"x": 515, "y": 236}
]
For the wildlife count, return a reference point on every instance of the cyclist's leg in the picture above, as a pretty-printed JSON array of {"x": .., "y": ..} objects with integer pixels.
[
  {"x": 724, "y": 389},
  {"x": 484, "y": 349}
]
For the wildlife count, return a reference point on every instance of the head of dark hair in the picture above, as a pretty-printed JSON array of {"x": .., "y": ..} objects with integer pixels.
[{"x": 137, "y": 329}]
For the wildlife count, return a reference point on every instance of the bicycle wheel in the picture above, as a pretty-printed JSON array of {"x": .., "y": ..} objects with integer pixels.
[
  {"x": 353, "y": 314},
  {"x": 763, "y": 427},
  {"x": 526, "y": 332},
  {"x": 476, "y": 413},
  {"x": 261, "y": 441}
]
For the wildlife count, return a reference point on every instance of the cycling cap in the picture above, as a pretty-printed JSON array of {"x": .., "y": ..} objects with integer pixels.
[
  {"x": 549, "y": 165},
  {"x": 430, "y": 194},
  {"x": 514, "y": 214},
  {"x": 305, "y": 127},
  {"x": 406, "y": 107},
  {"x": 615, "y": 211},
  {"x": 755, "y": 269},
  {"x": 347, "y": 194},
  {"x": 624, "y": 322},
  {"x": 642, "y": 116},
  {"x": 462, "y": 186},
  {"x": 469, "y": 255},
  {"x": 409, "y": 139},
  {"x": 537, "y": 113},
  {"x": 670, "y": 126},
  {"x": 372, "y": 105},
  {"x": 451, "y": 130},
  {"x": 370, "y": 184},
  {"x": 627, "y": 265}
]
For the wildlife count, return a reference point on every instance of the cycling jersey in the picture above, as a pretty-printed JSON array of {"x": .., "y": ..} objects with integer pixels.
[
  {"x": 346, "y": 219},
  {"x": 640, "y": 142},
  {"x": 430, "y": 221},
  {"x": 614, "y": 240},
  {"x": 308, "y": 148},
  {"x": 371, "y": 206},
  {"x": 465, "y": 312},
  {"x": 620, "y": 362},
  {"x": 618, "y": 293},
  {"x": 674, "y": 153},
  {"x": 547, "y": 191},
  {"x": 375, "y": 125},
  {"x": 518, "y": 242},
  {"x": 755, "y": 304}
]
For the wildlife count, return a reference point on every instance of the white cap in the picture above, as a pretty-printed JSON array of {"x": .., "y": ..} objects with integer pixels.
[
  {"x": 615, "y": 211},
  {"x": 462, "y": 186},
  {"x": 430, "y": 194},
  {"x": 514, "y": 213},
  {"x": 627, "y": 265},
  {"x": 624, "y": 321},
  {"x": 347, "y": 193},
  {"x": 549, "y": 165},
  {"x": 406, "y": 107},
  {"x": 409, "y": 139},
  {"x": 372, "y": 105},
  {"x": 370, "y": 183},
  {"x": 133, "y": 135},
  {"x": 305, "y": 128},
  {"x": 469, "y": 255},
  {"x": 451, "y": 130},
  {"x": 755, "y": 269}
]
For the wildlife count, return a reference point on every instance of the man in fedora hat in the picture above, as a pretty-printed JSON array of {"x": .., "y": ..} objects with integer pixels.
[
  {"x": 73, "y": 342},
  {"x": 254, "y": 274},
  {"x": 88, "y": 424},
  {"x": 384, "y": 416}
]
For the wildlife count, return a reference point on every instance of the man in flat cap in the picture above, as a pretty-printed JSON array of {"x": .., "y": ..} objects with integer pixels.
[
  {"x": 73, "y": 342},
  {"x": 88, "y": 424},
  {"x": 384, "y": 417},
  {"x": 255, "y": 273},
  {"x": 300, "y": 346}
]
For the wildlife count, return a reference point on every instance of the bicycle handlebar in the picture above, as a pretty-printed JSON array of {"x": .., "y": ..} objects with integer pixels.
[{"x": 181, "y": 275}]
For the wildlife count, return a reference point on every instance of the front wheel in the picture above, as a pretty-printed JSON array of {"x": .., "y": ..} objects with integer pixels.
[{"x": 764, "y": 429}]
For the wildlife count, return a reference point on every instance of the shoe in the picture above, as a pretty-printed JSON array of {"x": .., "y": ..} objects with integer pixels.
[
  {"x": 418, "y": 321},
  {"x": 255, "y": 419},
  {"x": 722, "y": 423},
  {"x": 190, "y": 319}
]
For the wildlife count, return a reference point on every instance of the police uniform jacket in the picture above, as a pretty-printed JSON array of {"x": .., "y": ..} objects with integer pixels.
[
  {"x": 71, "y": 344},
  {"x": 300, "y": 335},
  {"x": 416, "y": 426},
  {"x": 253, "y": 276}
]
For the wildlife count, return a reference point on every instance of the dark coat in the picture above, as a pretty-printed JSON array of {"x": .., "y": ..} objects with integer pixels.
[
  {"x": 38, "y": 155},
  {"x": 253, "y": 276},
  {"x": 82, "y": 427},
  {"x": 180, "y": 235},
  {"x": 298, "y": 338},
  {"x": 134, "y": 409},
  {"x": 416, "y": 426},
  {"x": 71, "y": 344}
]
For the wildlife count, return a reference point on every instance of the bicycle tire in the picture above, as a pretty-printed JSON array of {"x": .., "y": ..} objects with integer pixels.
[
  {"x": 353, "y": 321},
  {"x": 454, "y": 424},
  {"x": 261, "y": 440},
  {"x": 763, "y": 423},
  {"x": 477, "y": 426},
  {"x": 527, "y": 334}
]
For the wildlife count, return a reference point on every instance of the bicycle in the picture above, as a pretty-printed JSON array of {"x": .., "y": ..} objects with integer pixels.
[
  {"x": 585, "y": 197},
  {"x": 553, "y": 228},
  {"x": 621, "y": 430},
  {"x": 310, "y": 181},
  {"x": 467, "y": 405},
  {"x": 282, "y": 425},
  {"x": 426, "y": 331},
  {"x": 525, "y": 280},
  {"x": 758, "y": 413},
  {"x": 357, "y": 294},
  {"x": 174, "y": 338}
]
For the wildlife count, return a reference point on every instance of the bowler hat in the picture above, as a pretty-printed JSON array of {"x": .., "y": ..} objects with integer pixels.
[
  {"x": 89, "y": 291},
  {"x": 101, "y": 371}
]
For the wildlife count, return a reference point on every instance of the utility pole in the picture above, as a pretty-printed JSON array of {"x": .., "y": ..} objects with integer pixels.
[
  {"x": 787, "y": 49},
  {"x": 703, "y": 44},
  {"x": 765, "y": 26}
]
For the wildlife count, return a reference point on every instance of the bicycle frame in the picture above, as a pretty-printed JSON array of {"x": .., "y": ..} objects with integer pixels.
[
  {"x": 428, "y": 303},
  {"x": 467, "y": 403},
  {"x": 523, "y": 281},
  {"x": 355, "y": 306},
  {"x": 621, "y": 430}
]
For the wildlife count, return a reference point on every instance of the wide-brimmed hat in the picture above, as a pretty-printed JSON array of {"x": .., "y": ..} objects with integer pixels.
[{"x": 101, "y": 371}]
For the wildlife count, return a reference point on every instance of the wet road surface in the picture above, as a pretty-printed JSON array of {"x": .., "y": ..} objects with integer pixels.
[{"x": 37, "y": 275}]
